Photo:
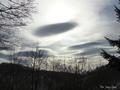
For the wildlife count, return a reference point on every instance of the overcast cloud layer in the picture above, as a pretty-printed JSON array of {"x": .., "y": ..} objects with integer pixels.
[{"x": 94, "y": 19}]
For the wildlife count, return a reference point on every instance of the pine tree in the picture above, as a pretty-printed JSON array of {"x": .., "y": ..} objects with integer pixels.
[{"x": 114, "y": 61}]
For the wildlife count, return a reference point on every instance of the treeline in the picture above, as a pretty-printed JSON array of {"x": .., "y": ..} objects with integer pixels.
[
  {"x": 40, "y": 61},
  {"x": 18, "y": 77}
]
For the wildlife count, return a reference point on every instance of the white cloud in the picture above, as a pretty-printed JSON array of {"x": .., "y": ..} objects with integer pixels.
[{"x": 96, "y": 19}]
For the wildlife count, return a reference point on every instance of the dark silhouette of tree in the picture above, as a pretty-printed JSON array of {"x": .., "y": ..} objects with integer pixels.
[
  {"x": 13, "y": 14},
  {"x": 114, "y": 61}
]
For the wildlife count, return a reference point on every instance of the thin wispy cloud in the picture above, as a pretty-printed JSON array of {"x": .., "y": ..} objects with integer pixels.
[
  {"x": 85, "y": 24},
  {"x": 88, "y": 45},
  {"x": 40, "y": 53}
]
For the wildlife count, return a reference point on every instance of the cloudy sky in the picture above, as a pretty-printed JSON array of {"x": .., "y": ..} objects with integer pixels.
[{"x": 73, "y": 27}]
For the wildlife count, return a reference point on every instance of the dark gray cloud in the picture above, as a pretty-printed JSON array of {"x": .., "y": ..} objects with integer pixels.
[
  {"x": 40, "y": 53},
  {"x": 53, "y": 29},
  {"x": 88, "y": 45},
  {"x": 95, "y": 51},
  {"x": 3, "y": 56},
  {"x": 92, "y": 49}
]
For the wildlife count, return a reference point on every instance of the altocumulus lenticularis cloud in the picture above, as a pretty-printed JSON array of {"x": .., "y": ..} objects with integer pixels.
[{"x": 53, "y": 29}]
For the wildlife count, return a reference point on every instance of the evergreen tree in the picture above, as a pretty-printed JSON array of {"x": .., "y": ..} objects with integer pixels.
[{"x": 114, "y": 61}]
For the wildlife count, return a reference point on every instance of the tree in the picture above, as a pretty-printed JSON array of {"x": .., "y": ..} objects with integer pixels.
[
  {"x": 114, "y": 61},
  {"x": 13, "y": 14}
]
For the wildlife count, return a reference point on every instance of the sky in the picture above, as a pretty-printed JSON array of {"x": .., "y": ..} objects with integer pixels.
[{"x": 72, "y": 27}]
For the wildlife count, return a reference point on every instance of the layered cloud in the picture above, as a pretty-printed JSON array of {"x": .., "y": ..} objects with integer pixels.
[
  {"x": 88, "y": 45},
  {"x": 53, "y": 29},
  {"x": 38, "y": 54},
  {"x": 94, "y": 19},
  {"x": 24, "y": 56}
]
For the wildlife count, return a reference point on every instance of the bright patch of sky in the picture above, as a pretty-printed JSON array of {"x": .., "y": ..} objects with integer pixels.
[{"x": 95, "y": 19}]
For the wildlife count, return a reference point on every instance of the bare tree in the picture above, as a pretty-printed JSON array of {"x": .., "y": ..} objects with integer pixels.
[{"x": 13, "y": 14}]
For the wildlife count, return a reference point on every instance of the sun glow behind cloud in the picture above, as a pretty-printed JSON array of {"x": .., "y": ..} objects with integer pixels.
[
  {"x": 90, "y": 15},
  {"x": 60, "y": 12}
]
